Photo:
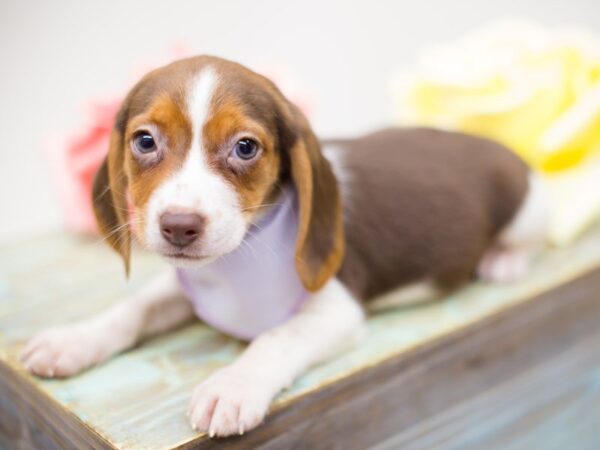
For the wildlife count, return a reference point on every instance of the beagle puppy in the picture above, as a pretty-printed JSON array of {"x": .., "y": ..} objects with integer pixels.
[{"x": 280, "y": 239}]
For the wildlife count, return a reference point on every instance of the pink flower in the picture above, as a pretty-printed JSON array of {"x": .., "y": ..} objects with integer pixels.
[{"x": 75, "y": 160}]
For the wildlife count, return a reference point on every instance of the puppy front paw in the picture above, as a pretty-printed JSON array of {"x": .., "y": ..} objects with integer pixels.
[
  {"x": 62, "y": 352},
  {"x": 231, "y": 401}
]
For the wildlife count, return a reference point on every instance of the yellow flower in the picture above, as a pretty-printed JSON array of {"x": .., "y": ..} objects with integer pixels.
[{"x": 533, "y": 89}]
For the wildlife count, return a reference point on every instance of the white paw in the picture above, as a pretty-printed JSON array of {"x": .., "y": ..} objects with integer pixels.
[
  {"x": 62, "y": 351},
  {"x": 504, "y": 266},
  {"x": 231, "y": 401}
]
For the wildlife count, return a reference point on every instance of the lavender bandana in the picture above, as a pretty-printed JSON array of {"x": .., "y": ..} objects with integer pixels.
[{"x": 255, "y": 287}]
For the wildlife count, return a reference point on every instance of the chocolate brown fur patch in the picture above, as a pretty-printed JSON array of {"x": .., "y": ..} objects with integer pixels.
[{"x": 423, "y": 204}]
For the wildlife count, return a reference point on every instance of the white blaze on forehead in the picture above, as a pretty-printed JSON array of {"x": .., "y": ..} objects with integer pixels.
[
  {"x": 196, "y": 187},
  {"x": 200, "y": 94}
]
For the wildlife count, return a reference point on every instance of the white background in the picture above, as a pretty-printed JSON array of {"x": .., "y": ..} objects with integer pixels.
[{"x": 56, "y": 55}]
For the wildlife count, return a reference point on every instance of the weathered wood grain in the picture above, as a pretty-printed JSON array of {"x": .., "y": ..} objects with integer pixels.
[
  {"x": 419, "y": 368},
  {"x": 31, "y": 420}
]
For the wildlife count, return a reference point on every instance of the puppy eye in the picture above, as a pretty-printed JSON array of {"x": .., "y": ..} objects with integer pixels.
[
  {"x": 246, "y": 149},
  {"x": 144, "y": 143}
]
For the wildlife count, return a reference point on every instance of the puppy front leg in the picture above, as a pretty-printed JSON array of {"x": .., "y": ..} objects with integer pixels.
[
  {"x": 236, "y": 398},
  {"x": 66, "y": 350}
]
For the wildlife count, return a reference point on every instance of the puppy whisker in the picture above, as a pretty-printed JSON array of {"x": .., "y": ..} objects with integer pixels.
[
  {"x": 264, "y": 205},
  {"x": 119, "y": 228}
]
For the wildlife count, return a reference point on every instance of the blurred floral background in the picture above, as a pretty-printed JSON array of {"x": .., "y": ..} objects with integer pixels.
[
  {"x": 528, "y": 76},
  {"x": 534, "y": 88}
]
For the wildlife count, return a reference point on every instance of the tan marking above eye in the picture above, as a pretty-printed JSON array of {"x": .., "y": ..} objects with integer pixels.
[
  {"x": 227, "y": 125},
  {"x": 168, "y": 124},
  {"x": 223, "y": 131},
  {"x": 167, "y": 115}
]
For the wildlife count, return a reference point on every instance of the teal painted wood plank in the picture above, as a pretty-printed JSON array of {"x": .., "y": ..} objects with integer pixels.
[{"x": 138, "y": 399}]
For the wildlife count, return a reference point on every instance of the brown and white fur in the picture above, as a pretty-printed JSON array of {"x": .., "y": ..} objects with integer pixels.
[{"x": 418, "y": 209}]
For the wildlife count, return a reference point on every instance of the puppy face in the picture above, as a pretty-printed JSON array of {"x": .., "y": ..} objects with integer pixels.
[
  {"x": 202, "y": 156},
  {"x": 199, "y": 148}
]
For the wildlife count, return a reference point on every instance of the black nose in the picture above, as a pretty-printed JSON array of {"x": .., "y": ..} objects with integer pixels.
[{"x": 181, "y": 229}]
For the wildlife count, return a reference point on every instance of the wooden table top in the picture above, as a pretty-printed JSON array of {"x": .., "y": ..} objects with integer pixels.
[{"x": 138, "y": 399}]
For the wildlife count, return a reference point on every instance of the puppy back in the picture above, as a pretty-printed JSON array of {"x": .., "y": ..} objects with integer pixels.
[{"x": 422, "y": 204}]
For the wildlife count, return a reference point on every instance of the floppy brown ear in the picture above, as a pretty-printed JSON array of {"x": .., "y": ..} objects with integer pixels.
[
  {"x": 320, "y": 243},
  {"x": 110, "y": 202}
]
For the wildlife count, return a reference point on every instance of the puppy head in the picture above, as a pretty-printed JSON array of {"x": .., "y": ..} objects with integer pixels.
[{"x": 198, "y": 149}]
